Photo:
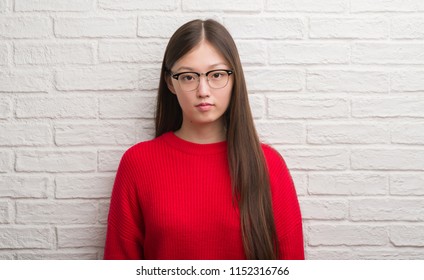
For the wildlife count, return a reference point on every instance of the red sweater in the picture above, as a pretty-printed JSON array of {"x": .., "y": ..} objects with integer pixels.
[{"x": 172, "y": 200}]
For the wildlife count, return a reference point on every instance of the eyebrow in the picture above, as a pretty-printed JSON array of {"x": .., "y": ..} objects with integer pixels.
[{"x": 192, "y": 69}]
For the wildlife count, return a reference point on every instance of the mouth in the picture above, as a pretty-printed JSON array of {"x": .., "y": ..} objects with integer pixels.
[{"x": 204, "y": 106}]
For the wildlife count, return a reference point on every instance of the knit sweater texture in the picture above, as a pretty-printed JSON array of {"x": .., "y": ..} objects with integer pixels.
[{"x": 172, "y": 199}]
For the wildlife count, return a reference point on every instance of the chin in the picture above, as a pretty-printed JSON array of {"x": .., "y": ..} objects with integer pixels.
[{"x": 206, "y": 120}]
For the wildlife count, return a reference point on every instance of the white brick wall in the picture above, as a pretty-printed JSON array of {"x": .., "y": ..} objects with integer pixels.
[{"x": 336, "y": 86}]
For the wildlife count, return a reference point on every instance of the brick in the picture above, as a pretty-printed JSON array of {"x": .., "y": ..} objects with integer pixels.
[
  {"x": 307, "y": 108},
  {"x": 148, "y": 78},
  {"x": 50, "y": 53},
  {"x": 145, "y": 130},
  {"x": 62, "y": 107},
  {"x": 100, "y": 253},
  {"x": 56, "y": 161},
  {"x": 257, "y": 105},
  {"x": 387, "y": 210},
  {"x": 127, "y": 107},
  {"x": 316, "y": 159},
  {"x": 318, "y": 209},
  {"x": 364, "y": 254},
  {"x": 348, "y": 184},
  {"x": 347, "y": 133},
  {"x": 103, "y": 212},
  {"x": 3, "y": 6},
  {"x": 145, "y": 5},
  {"x": 386, "y": 6},
  {"x": 46, "y": 212},
  {"x": 159, "y": 26},
  {"x": 15, "y": 186},
  {"x": 348, "y": 28},
  {"x": 252, "y": 52},
  {"x": 222, "y": 6},
  {"x": 408, "y": 133},
  {"x": 59, "y": 255},
  {"x": 6, "y": 161},
  {"x": 387, "y": 159},
  {"x": 407, "y": 235},
  {"x": 109, "y": 160},
  {"x": 350, "y": 235},
  {"x": 388, "y": 107},
  {"x": 84, "y": 186},
  {"x": 308, "y": 53},
  {"x": 407, "y": 184},
  {"x": 16, "y": 134},
  {"x": 5, "y": 210},
  {"x": 7, "y": 256},
  {"x": 25, "y": 27},
  {"x": 281, "y": 132},
  {"x": 347, "y": 81},
  {"x": 19, "y": 237},
  {"x": 407, "y": 28},
  {"x": 53, "y": 5},
  {"x": 132, "y": 51},
  {"x": 96, "y": 78},
  {"x": 265, "y": 79},
  {"x": 265, "y": 27},
  {"x": 406, "y": 81},
  {"x": 82, "y": 236},
  {"x": 5, "y": 110},
  {"x": 95, "y": 27},
  {"x": 24, "y": 81},
  {"x": 4, "y": 54},
  {"x": 300, "y": 182},
  {"x": 387, "y": 53},
  {"x": 307, "y": 6},
  {"x": 328, "y": 254},
  {"x": 95, "y": 134}
]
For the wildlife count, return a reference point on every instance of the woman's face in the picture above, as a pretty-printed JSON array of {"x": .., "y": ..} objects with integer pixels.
[{"x": 205, "y": 104}]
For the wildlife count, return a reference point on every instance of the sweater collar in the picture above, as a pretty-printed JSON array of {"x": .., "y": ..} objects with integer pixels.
[{"x": 193, "y": 148}]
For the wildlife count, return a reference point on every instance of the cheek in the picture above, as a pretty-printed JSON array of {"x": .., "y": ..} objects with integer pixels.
[
  {"x": 227, "y": 97},
  {"x": 183, "y": 100}
]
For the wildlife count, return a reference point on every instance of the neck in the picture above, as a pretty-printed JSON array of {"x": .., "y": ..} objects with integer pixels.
[{"x": 202, "y": 133}]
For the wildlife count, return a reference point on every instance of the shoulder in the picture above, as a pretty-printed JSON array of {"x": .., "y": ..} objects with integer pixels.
[
  {"x": 272, "y": 156},
  {"x": 143, "y": 149},
  {"x": 277, "y": 166}
]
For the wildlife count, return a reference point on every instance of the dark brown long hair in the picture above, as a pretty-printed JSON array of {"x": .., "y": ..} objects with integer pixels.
[{"x": 248, "y": 170}]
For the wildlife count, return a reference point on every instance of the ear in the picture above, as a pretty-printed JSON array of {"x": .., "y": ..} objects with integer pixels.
[{"x": 169, "y": 84}]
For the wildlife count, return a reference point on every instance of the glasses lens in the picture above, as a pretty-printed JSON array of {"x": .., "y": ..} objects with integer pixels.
[
  {"x": 188, "y": 81},
  {"x": 218, "y": 79}
]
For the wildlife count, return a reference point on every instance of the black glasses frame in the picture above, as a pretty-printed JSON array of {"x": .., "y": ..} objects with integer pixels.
[{"x": 177, "y": 75}]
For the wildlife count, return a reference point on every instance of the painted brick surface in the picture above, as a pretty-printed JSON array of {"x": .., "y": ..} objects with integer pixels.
[
  {"x": 5, "y": 108},
  {"x": 24, "y": 186},
  {"x": 53, "y": 5},
  {"x": 18, "y": 27},
  {"x": 4, "y": 54},
  {"x": 24, "y": 80},
  {"x": 336, "y": 86}
]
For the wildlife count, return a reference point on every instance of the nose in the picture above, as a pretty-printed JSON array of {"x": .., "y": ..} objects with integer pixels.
[{"x": 203, "y": 88}]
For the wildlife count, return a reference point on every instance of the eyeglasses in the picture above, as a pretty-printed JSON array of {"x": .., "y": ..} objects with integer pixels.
[{"x": 190, "y": 81}]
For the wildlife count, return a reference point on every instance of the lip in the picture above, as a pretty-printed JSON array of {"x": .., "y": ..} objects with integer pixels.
[{"x": 204, "y": 106}]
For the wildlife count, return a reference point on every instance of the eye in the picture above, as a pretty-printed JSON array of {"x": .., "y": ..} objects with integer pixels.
[
  {"x": 217, "y": 75},
  {"x": 187, "y": 77}
]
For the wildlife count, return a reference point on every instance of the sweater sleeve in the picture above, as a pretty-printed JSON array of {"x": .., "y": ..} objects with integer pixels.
[
  {"x": 124, "y": 238},
  {"x": 287, "y": 215}
]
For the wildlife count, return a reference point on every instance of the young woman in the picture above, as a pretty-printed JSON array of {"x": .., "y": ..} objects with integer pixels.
[{"x": 205, "y": 187}]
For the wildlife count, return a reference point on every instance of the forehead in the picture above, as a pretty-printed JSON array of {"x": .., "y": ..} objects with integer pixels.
[{"x": 202, "y": 57}]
